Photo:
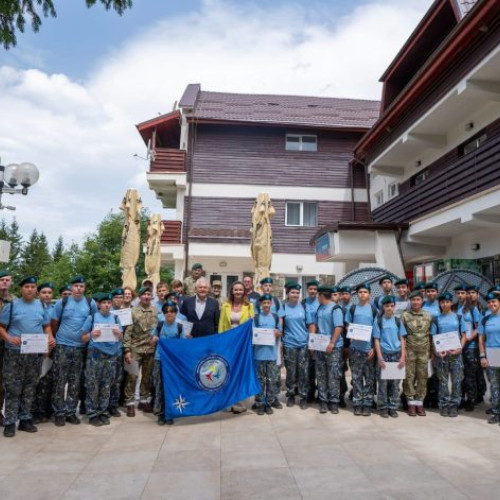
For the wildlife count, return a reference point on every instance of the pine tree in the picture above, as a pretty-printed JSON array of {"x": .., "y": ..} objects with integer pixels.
[
  {"x": 58, "y": 250},
  {"x": 35, "y": 256}
]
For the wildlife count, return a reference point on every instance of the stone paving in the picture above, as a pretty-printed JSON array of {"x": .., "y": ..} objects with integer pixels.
[{"x": 293, "y": 454}]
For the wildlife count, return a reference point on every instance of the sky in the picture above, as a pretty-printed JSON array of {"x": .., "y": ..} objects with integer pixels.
[{"x": 71, "y": 95}]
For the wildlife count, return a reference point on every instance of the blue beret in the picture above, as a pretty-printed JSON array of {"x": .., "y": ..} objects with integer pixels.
[
  {"x": 388, "y": 299},
  {"x": 171, "y": 294},
  {"x": 460, "y": 288},
  {"x": 4, "y": 273},
  {"x": 266, "y": 296},
  {"x": 291, "y": 285},
  {"x": 196, "y": 266},
  {"x": 346, "y": 289},
  {"x": 384, "y": 278},
  {"x": 419, "y": 286},
  {"x": 324, "y": 289},
  {"x": 117, "y": 291},
  {"x": 445, "y": 296},
  {"x": 495, "y": 288},
  {"x": 64, "y": 288},
  {"x": 46, "y": 284},
  {"x": 266, "y": 280},
  {"x": 416, "y": 293},
  {"x": 491, "y": 296},
  {"x": 363, "y": 286},
  {"x": 403, "y": 281},
  {"x": 77, "y": 279},
  {"x": 472, "y": 288},
  {"x": 312, "y": 283},
  {"x": 171, "y": 304},
  {"x": 145, "y": 289},
  {"x": 432, "y": 285},
  {"x": 28, "y": 280},
  {"x": 335, "y": 289}
]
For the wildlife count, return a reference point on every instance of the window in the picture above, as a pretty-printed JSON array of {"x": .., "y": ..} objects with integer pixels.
[
  {"x": 301, "y": 213},
  {"x": 392, "y": 190},
  {"x": 473, "y": 144},
  {"x": 300, "y": 142},
  {"x": 420, "y": 177},
  {"x": 379, "y": 198}
]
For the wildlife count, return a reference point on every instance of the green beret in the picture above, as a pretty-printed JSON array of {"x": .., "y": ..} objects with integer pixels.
[
  {"x": 432, "y": 285},
  {"x": 384, "y": 278},
  {"x": 77, "y": 279},
  {"x": 403, "y": 281},
  {"x": 103, "y": 296},
  {"x": 117, "y": 291},
  {"x": 32, "y": 280},
  {"x": 460, "y": 288},
  {"x": 416, "y": 293},
  {"x": 4, "y": 273},
  {"x": 171, "y": 304},
  {"x": 263, "y": 281},
  {"x": 291, "y": 285},
  {"x": 335, "y": 289},
  {"x": 171, "y": 294},
  {"x": 445, "y": 296},
  {"x": 346, "y": 289},
  {"x": 472, "y": 288},
  {"x": 419, "y": 286},
  {"x": 64, "y": 288},
  {"x": 312, "y": 283},
  {"x": 47, "y": 284},
  {"x": 363, "y": 286},
  {"x": 196, "y": 266},
  {"x": 144, "y": 289},
  {"x": 494, "y": 289},
  {"x": 266, "y": 296},
  {"x": 388, "y": 299},
  {"x": 325, "y": 289},
  {"x": 491, "y": 296}
]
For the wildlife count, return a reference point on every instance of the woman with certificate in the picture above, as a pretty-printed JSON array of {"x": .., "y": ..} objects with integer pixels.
[
  {"x": 25, "y": 328},
  {"x": 448, "y": 332}
]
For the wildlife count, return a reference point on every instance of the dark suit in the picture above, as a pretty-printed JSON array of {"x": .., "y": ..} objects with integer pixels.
[{"x": 209, "y": 322}]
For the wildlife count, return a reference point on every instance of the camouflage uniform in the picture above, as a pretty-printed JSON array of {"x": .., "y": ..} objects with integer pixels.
[
  {"x": 99, "y": 376},
  {"x": 20, "y": 376},
  {"x": 418, "y": 325},
  {"x": 450, "y": 366},
  {"x": 5, "y": 300},
  {"x": 189, "y": 286},
  {"x": 137, "y": 340},
  {"x": 68, "y": 366},
  {"x": 329, "y": 371},
  {"x": 493, "y": 374},
  {"x": 471, "y": 367},
  {"x": 159, "y": 400},
  {"x": 296, "y": 364},
  {"x": 267, "y": 373},
  {"x": 116, "y": 385},
  {"x": 42, "y": 402},
  {"x": 363, "y": 378},
  {"x": 388, "y": 390}
]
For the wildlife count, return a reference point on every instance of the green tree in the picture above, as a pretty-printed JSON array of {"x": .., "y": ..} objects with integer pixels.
[
  {"x": 58, "y": 251},
  {"x": 15, "y": 13},
  {"x": 35, "y": 256}
]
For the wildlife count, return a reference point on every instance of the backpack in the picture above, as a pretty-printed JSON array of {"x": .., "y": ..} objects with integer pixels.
[
  {"x": 275, "y": 316},
  {"x": 160, "y": 324},
  {"x": 485, "y": 319},
  {"x": 352, "y": 310},
  {"x": 65, "y": 302},
  {"x": 379, "y": 322}
]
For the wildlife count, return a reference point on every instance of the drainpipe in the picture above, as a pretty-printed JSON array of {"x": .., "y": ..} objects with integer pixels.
[
  {"x": 189, "y": 177},
  {"x": 351, "y": 174}
]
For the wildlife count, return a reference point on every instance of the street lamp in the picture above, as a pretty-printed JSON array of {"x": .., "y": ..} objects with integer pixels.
[{"x": 14, "y": 175}]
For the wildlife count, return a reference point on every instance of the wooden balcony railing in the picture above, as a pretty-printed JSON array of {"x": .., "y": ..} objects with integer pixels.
[
  {"x": 168, "y": 160},
  {"x": 173, "y": 232}
]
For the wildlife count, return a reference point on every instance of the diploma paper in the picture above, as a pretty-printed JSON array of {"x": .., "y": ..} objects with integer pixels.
[
  {"x": 359, "y": 332},
  {"x": 34, "y": 343},
  {"x": 400, "y": 307},
  {"x": 124, "y": 316},
  {"x": 319, "y": 342},
  {"x": 446, "y": 341},
  {"x": 132, "y": 367},
  {"x": 187, "y": 326},
  {"x": 263, "y": 336},
  {"x": 107, "y": 334},
  {"x": 493, "y": 355},
  {"x": 392, "y": 372}
]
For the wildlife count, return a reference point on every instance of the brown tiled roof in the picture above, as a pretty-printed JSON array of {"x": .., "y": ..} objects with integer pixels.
[{"x": 304, "y": 111}]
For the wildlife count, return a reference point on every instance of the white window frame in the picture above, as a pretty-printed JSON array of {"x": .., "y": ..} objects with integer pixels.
[
  {"x": 378, "y": 197},
  {"x": 301, "y": 148},
  {"x": 396, "y": 191},
  {"x": 301, "y": 214}
]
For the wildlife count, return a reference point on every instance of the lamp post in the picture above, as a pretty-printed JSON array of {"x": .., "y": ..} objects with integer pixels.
[{"x": 14, "y": 175}]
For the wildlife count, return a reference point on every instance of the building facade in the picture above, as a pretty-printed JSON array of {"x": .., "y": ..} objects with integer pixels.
[{"x": 212, "y": 157}]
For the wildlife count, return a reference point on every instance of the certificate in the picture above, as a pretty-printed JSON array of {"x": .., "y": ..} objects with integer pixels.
[
  {"x": 318, "y": 342},
  {"x": 187, "y": 326},
  {"x": 446, "y": 341},
  {"x": 468, "y": 333},
  {"x": 400, "y": 307},
  {"x": 124, "y": 316},
  {"x": 107, "y": 334},
  {"x": 493, "y": 355},
  {"x": 359, "y": 332},
  {"x": 34, "y": 343},
  {"x": 392, "y": 372},
  {"x": 263, "y": 336}
]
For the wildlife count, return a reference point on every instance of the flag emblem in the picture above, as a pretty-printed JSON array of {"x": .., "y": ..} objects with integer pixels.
[{"x": 212, "y": 372}]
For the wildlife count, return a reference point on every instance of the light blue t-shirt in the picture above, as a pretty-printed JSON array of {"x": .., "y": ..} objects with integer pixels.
[
  {"x": 471, "y": 318},
  {"x": 27, "y": 317},
  {"x": 71, "y": 322},
  {"x": 491, "y": 330},
  {"x": 446, "y": 323},
  {"x": 168, "y": 331},
  {"x": 111, "y": 348},
  {"x": 295, "y": 329},
  {"x": 311, "y": 307},
  {"x": 363, "y": 315},
  {"x": 265, "y": 352},
  {"x": 330, "y": 317},
  {"x": 390, "y": 335},
  {"x": 432, "y": 308}
]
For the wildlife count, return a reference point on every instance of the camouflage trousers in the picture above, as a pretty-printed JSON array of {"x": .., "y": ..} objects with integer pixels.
[
  {"x": 415, "y": 384},
  {"x": 311, "y": 371},
  {"x": 68, "y": 366},
  {"x": 493, "y": 374},
  {"x": 363, "y": 376},
  {"x": 100, "y": 371},
  {"x": 116, "y": 385},
  {"x": 146, "y": 363},
  {"x": 20, "y": 377},
  {"x": 471, "y": 367},
  {"x": 297, "y": 366},
  {"x": 451, "y": 366},
  {"x": 42, "y": 403},
  {"x": 269, "y": 375},
  {"x": 328, "y": 373},
  {"x": 159, "y": 401},
  {"x": 2, "y": 392},
  {"x": 388, "y": 390}
]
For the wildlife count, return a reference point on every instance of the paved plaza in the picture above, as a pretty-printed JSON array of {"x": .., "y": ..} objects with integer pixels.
[{"x": 292, "y": 454}]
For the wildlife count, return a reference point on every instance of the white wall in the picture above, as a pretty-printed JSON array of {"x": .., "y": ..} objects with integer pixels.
[{"x": 460, "y": 246}]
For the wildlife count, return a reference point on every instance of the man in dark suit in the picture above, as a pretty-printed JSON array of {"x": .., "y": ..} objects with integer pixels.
[{"x": 202, "y": 310}]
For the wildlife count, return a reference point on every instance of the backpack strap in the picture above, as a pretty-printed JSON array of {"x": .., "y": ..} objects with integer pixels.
[
  {"x": 159, "y": 326},
  {"x": 485, "y": 319},
  {"x": 179, "y": 330},
  {"x": 256, "y": 320},
  {"x": 276, "y": 303},
  {"x": 276, "y": 320},
  {"x": 63, "y": 305},
  {"x": 11, "y": 311}
]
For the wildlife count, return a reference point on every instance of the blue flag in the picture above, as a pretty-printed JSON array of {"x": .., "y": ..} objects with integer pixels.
[{"x": 208, "y": 374}]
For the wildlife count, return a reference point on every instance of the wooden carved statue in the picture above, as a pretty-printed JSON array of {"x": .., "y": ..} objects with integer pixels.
[
  {"x": 152, "y": 263},
  {"x": 131, "y": 237},
  {"x": 261, "y": 245}
]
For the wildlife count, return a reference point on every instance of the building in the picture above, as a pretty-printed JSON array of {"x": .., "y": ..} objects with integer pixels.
[
  {"x": 433, "y": 156},
  {"x": 212, "y": 157}
]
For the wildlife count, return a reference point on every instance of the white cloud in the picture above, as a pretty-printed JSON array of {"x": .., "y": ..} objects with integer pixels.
[{"x": 82, "y": 135}]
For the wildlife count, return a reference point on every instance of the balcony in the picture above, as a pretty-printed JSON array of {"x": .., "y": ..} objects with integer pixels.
[
  {"x": 168, "y": 160},
  {"x": 173, "y": 232}
]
